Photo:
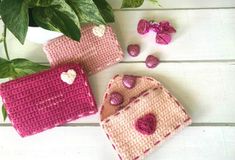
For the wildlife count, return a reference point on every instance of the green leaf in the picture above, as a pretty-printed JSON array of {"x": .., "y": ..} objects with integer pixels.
[
  {"x": 18, "y": 68},
  {"x": 4, "y": 113},
  {"x": 105, "y": 10},
  {"x": 132, "y": 3},
  {"x": 14, "y": 14},
  {"x": 24, "y": 67},
  {"x": 6, "y": 69},
  {"x": 87, "y": 11},
  {"x": 60, "y": 18},
  {"x": 155, "y": 2},
  {"x": 42, "y": 3}
]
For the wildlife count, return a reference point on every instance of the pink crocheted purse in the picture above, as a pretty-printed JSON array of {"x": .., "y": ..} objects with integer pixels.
[
  {"x": 47, "y": 99},
  {"x": 93, "y": 52},
  {"x": 138, "y": 114}
]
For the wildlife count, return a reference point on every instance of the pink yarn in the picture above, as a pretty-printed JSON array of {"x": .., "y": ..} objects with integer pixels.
[
  {"x": 41, "y": 101},
  {"x": 91, "y": 52},
  {"x": 142, "y": 123}
]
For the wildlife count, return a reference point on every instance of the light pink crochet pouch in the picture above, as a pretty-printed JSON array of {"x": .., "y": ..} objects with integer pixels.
[
  {"x": 148, "y": 115},
  {"x": 47, "y": 99},
  {"x": 93, "y": 52}
]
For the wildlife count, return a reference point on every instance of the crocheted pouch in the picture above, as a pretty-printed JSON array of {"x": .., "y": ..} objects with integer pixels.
[
  {"x": 47, "y": 99},
  {"x": 140, "y": 124},
  {"x": 94, "y": 52}
]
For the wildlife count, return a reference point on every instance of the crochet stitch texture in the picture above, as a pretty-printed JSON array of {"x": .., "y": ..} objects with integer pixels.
[
  {"x": 93, "y": 53},
  {"x": 151, "y": 98},
  {"x": 41, "y": 101}
]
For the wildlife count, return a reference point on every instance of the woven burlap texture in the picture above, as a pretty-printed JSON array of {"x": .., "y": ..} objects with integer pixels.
[
  {"x": 91, "y": 52},
  {"x": 41, "y": 101},
  {"x": 120, "y": 127}
]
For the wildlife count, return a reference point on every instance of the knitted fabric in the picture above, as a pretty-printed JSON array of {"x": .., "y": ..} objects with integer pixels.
[
  {"x": 132, "y": 142},
  {"x": 92, "y": 52},
  {"x": 41, "y": 101}
]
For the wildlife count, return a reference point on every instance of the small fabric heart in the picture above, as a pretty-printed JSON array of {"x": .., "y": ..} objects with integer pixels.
[
  {"x": 69, "y": 76},
  {"x": 99, "y": 30},
  {"x": 146, "y": 124}
]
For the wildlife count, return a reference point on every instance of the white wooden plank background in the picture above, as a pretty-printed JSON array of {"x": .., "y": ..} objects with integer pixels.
[
  {"x": 198, "y": 67},
  {"x": 90, "y": 143},
  {"x": 180, "y": 4}
]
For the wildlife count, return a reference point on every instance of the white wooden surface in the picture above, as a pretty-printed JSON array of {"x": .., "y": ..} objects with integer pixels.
[
  {"x": 90, "y": 143},
  {"x": 198, "y": 67}
]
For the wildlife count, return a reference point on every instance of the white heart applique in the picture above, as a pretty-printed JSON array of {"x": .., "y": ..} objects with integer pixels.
[
  {"x": 99, "y": 30},
  {"x": 69, "y": 76}
]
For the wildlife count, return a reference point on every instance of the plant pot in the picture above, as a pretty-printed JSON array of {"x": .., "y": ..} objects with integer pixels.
[
  {"x": 40, "y": 35},
  {"x": 37, "y": 34}
]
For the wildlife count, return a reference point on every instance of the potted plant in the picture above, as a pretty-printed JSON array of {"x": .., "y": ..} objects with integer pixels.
[{"x": 62, "y": 16}]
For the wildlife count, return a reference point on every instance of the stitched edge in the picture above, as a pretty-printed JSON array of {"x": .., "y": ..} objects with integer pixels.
[
  {"x": 106, "y": 93},
  {"x": 110, "y": 85},
  {"x": 65, "y": 121},
  {"x": 187, "y": 121}
]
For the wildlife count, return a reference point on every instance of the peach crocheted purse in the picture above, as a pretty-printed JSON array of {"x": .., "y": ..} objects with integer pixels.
[
  {"x": 94, "y": 52},
  {"x": 138, "y": 114}
]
